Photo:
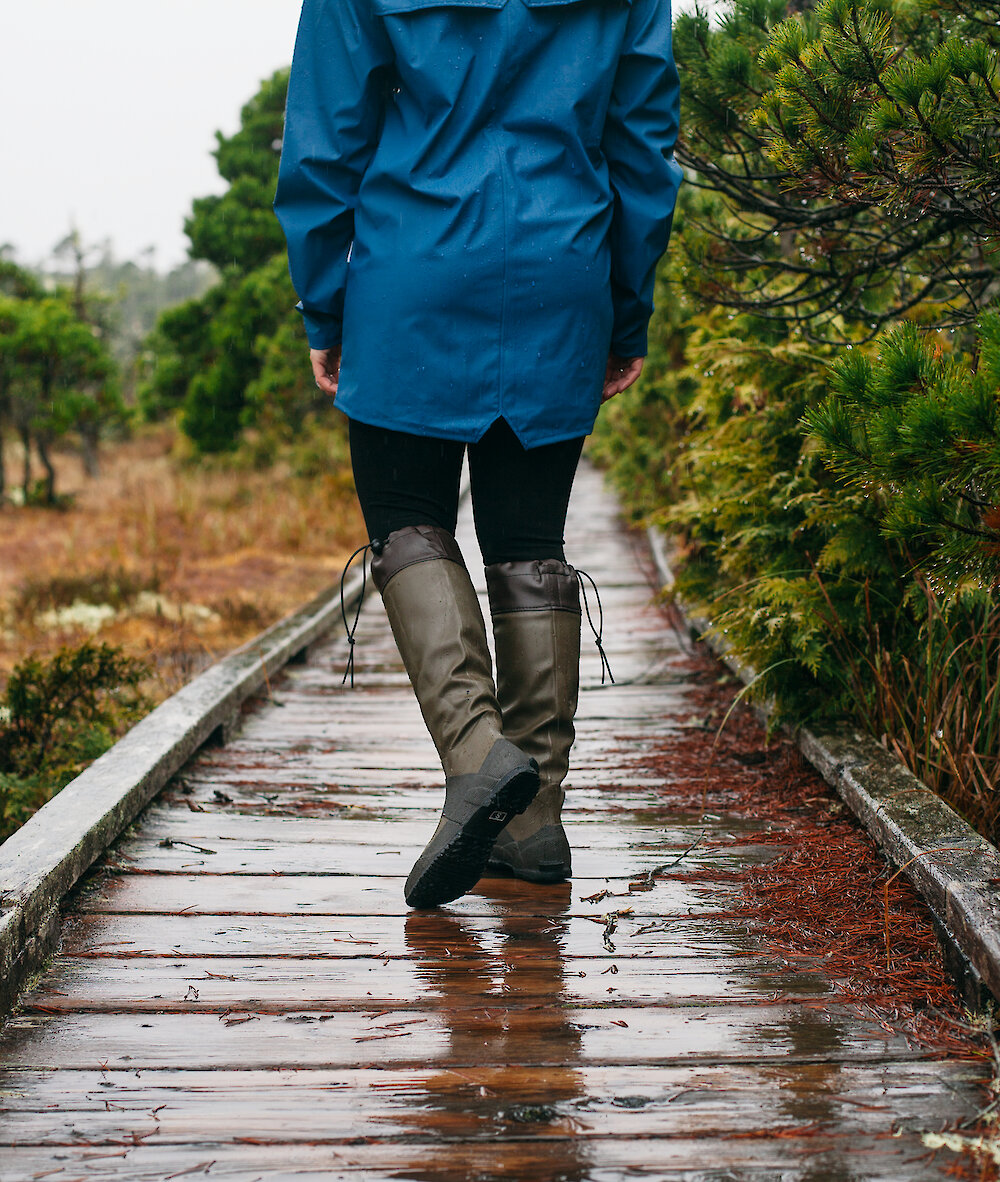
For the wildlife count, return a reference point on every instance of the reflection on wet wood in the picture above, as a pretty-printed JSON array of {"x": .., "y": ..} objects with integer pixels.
[
  {"x": 513, "y": 1157},
  {"x": 427, "y": 936},
  {"x": 144, "y": 984},
  {"x": 178, "y": 1107},
  {"x": 187, "y": 894},
  {"x": 241, "y": 992},
  {"x": 491, "y": 1032}
]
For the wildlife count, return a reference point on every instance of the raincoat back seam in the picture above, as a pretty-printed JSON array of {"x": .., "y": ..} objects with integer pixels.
[
  {"x": 504, "y": 288},
  {"x": 505, "y": 291}
]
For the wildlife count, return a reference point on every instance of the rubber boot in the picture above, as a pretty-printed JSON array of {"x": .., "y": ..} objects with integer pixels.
[
  {"x": 536, "y": 625},
  {"x": 438, "y": 626}
]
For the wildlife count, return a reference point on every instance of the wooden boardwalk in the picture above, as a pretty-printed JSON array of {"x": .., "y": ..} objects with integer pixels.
[{"x": 241, "y": 992}]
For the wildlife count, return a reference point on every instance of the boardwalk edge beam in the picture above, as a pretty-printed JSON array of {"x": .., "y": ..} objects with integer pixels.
[
  {"x": 47, "y": 856},
  {"x": 949, "y": 864}
]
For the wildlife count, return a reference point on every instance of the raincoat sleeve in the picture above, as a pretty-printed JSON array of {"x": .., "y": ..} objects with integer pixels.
[
  {"x": 336, "y": 99},
  {"x": 638, "y": 144}
]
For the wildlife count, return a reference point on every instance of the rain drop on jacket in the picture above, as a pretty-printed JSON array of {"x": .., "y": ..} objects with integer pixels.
[{"x": 475, "y": 195}]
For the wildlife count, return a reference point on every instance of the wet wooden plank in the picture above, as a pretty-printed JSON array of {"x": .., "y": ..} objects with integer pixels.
[
  {"x": 475, "y": 1103},
  {"x": 418, "y": 935},
  {"x": 189, "y": 984},
  {"x": 324, "y": 739},
  {"x": 275, "y": 795},
  {"x": 395, "y": 860},
  {"x": 454, "y": 1038},
  {"x": 367, "y": 895},
  {"x": 642, "y": 656},
  {"x": 320, "y": 721},
  {"x": 655, "y": 828},
  {"x": 601, "y": 1159},
  {"x": 264, "y": 776}
]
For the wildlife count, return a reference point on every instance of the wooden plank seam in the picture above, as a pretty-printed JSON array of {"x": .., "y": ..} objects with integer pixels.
[
  {"x": 45, "y": 858},
  {"x": 904, "y": 817}
]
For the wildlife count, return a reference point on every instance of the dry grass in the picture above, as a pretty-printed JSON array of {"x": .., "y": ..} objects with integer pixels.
[
  {"x": 939, "y": 709},
  {"x": 936, "y": 703},
  {"x": 192, "y": 558}
]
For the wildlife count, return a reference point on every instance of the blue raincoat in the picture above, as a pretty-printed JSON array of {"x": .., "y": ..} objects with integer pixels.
[{"x": 475, "y": 195}]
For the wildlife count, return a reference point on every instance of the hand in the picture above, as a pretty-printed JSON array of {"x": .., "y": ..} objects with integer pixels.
[
  {"x": 326, "y": 369},
  {"x": 620, "y": 373}
]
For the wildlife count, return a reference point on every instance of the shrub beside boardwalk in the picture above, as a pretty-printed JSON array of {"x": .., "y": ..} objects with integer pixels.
[{"x": 820, "y": 429}]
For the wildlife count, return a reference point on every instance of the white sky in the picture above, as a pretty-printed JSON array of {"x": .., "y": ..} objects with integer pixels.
[{"x": 109, "y": 109}]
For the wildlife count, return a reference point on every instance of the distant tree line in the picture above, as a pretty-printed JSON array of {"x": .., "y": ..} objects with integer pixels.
[{"x": 128, "y": 295}]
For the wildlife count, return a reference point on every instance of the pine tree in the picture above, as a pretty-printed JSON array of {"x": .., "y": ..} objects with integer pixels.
[
  {"x": 56, "y": 376},
  {"x": 919, "y": 428},
  {"x": 856, "y": 146},
  {"x": 211, "y": 352},
  {"x": 828, "y": 423}
]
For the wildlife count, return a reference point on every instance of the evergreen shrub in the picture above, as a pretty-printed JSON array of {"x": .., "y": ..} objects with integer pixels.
[
  {"x": 833, "y": 487},
  {"x": 56, "y": 717}
]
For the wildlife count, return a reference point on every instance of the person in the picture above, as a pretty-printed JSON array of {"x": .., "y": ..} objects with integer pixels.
[{"x": 475, "y": 195}]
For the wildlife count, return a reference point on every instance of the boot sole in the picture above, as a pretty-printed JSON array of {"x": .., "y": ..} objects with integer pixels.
[
  {"x": 546, "y": 872},
  {"x": 458, "y": 857}
]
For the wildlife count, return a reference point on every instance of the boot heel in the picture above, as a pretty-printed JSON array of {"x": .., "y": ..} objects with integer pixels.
[
  {"x": 515, "y": 796},
  {"x": 477, "y": 807}
]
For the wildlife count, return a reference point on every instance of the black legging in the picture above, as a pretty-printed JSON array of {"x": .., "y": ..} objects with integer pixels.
[{"x": 519, "y": 495}]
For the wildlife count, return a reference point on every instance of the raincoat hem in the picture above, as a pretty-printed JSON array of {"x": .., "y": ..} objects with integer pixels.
[{"x": 422, "y": 429}]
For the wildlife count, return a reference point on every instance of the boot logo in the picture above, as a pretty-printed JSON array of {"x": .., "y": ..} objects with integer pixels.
[{"x": 498, "y": 816}]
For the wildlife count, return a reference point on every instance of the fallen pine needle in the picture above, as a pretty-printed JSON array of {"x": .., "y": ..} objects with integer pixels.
[{"x": 944, "y": 849}]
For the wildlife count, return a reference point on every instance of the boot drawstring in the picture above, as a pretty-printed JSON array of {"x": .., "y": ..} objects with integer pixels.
[
  {"x": 599, "y": 630},
  {"x": 351, "y": 629}
]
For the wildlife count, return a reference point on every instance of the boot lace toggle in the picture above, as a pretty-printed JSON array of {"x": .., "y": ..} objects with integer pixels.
[
  {"x": 376, "y": 546},
  {"x": 599, "y": 630}
]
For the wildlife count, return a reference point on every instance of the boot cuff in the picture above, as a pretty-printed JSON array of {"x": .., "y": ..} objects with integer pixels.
[
  {"x": 410, "y": 545},
  {"x": 539, "y": 585}
]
